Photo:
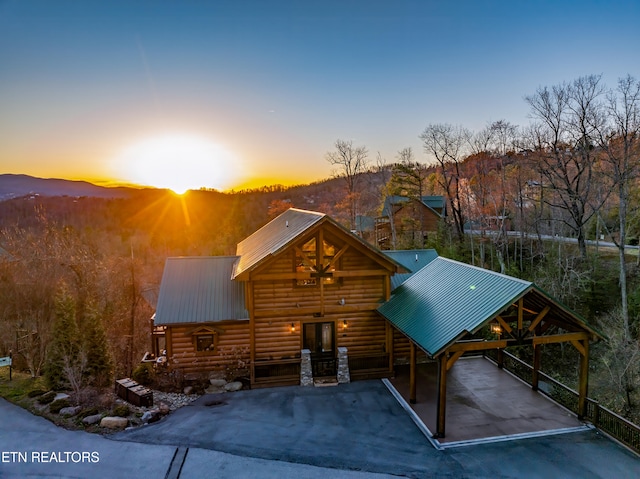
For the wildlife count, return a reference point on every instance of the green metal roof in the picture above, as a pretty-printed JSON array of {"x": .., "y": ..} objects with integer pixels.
[
  {"x": 413, "y": 260},
  {"x": 434, "y": 203},
  {"x": 200, "y": 290},
  {"x": 273, "y": 237},
  {"x": 446, "y": 299}
]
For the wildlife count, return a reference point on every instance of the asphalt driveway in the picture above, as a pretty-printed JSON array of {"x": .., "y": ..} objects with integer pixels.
[{"x": 352, "y": 431}]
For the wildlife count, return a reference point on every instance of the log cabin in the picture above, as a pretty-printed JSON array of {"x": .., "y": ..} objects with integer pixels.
[
  {"x": 305, "y": 300},
  {"x": 406, "y": 220},
  {"x": 299, "y": 297}
]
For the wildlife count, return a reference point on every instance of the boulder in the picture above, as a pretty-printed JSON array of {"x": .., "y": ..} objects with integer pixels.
[
  {"x": 150, "y": 416},
  {"x": 219, "y": 383},
  {"x": 217, "y": 375},
  {"x": 114, "y": 422},
  {"x": 164, "y": 408},
  {"x": 214, "y": 390},
  {"x": 188, "y": 390},
  {"x": 70, "y": 411},
  {"x": 90, "y": 420},
  {"x": 61, "y": 396},
  {"x": 233, "y": 386}
]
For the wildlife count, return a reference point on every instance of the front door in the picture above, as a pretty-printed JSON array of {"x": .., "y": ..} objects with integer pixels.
[{"x": 319, "y": 338}]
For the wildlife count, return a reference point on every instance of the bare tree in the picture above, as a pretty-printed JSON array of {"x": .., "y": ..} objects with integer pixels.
[
  {"x": 448, "y": 144},
  {"x": 349, "y": 162},
  {"x": 568, "y": 116},
  {"x": 620, "y": 140}
]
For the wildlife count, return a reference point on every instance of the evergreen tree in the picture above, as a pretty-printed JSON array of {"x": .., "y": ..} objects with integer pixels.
[
  {"x": 99, "y": 363},
  {"x": 65, "y": 344}
]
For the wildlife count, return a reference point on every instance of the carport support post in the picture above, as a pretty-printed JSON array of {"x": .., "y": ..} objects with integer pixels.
[
  {"x": 412, "y": 373},
  {"x": 583, "y": 386},
  {"x": 537, "y": 356},
  {"x": 442, "y": 394}
]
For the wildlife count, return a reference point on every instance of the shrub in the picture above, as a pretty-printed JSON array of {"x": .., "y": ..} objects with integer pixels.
[
  {"x": 46, "y": 398},
  {"x": 143, "y": 374},
  {"x": 121, "y": 410},
  {"x": 57, "y": 405},
  {"x": 36, "y": 392}
]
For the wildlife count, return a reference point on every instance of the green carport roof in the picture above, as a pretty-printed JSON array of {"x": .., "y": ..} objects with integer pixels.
[{"x": 446, "y": 299}]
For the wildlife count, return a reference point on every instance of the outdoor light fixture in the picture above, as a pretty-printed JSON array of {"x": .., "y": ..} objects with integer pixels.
[
  {"x": 496, "y": 329},
  {"x": 344, "y": 324},
  {"x": 293, "y": 327}
]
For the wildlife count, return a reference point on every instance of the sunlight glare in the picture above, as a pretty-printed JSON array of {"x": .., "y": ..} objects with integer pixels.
[{"x": 178, "y": 162}]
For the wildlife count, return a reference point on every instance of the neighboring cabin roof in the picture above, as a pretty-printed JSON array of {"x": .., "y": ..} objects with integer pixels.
[
  {"x": 413, "y": 260},
  {"x": 433, "y": 203},
  {"x": 446, "y": 299},
  {"x": 200, "y": 290}
]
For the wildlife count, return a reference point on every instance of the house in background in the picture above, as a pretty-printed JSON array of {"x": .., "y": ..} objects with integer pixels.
[{"x": 408, "y": 221}]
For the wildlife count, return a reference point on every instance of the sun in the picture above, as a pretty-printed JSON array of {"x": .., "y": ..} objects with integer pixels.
[{"x": 179, "y": 162}]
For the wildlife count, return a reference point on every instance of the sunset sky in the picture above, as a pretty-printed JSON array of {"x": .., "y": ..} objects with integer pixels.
[{"x": 229, "y": 94}]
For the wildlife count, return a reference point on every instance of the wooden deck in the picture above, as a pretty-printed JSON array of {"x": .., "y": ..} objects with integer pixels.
[{"x": 482, "y": 402}]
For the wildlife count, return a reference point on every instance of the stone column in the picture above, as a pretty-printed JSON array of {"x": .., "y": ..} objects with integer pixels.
[
  {"x": 306, "y": 372},
  {"x": 343, "y": 366}
]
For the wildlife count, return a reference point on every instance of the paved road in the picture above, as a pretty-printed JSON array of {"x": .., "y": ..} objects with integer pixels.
[{"x": 353, "y": 431}]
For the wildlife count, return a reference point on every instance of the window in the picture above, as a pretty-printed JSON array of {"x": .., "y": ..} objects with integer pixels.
[
  {"x": 205, "y": 342},
  {"x": 307, "y": 261}
]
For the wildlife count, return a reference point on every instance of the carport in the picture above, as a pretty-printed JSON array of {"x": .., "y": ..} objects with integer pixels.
[{"x": 449, "y": 308}]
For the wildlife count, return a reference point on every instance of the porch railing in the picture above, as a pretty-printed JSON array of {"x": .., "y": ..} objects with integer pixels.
[
  {"x": 285, "y": 369},
  {"x": 607, "y": 421}
]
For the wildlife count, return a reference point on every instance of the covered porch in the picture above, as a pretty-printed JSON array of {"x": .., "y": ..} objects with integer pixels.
[
  {"x": 473, "y": 311},
  {"x": 483, "y": 402}
]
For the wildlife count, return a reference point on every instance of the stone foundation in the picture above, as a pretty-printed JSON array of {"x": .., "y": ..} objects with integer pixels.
[
  {"x": 343, "y": 366},
  {"x": 306, "y": 371}
]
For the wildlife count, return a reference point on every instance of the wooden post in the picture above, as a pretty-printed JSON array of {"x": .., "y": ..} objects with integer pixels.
[
  {"x": 537, "y": 356},
  {"x": 500, "y": 358},
  {"x": 442, "y": 395},
  {"x": 583, "y": 386},
  {"x": 412, "y": 374}
]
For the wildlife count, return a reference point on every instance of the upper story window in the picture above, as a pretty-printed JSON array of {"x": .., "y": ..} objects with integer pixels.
[{"x": 317, "y": 258}]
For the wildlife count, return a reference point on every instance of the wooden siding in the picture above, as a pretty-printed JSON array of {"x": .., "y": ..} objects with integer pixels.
[
  {"x": 277, "y": 301},
  {"x": 232, "y": 345},
  {"x": 402, "y": 348}
]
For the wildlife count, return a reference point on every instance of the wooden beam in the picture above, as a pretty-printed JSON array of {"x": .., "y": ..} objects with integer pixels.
[
  {"x": 412, "y": 373},
  {"x": 537, "y": 357},
  {"x": 454, "y": 357},
  {"x": 560, "y": 338},
  {"x": 305, "y": 259},
  {"x": 442, "y": 396},
  {"x": 539, "y": 318},
  {"x": 520, "y": 313},
  {"x": 337, "y": 256},
  {"x": 504, "y": 324},
  {"x": 579, "y": 347},
  {"x": 362, "y": 272},
  {"x": 583, "y": 385},
  {"x": 249, "y": 291},
  {"x": 479, "y": 345}
]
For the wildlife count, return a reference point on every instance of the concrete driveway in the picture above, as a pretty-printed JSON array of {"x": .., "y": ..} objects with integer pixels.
[{"x": 353, "y": 431}]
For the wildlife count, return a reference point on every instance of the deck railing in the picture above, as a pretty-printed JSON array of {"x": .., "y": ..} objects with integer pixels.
[
  {"x": 607, "y": 421},
  {"x": 277, "y": 370}
]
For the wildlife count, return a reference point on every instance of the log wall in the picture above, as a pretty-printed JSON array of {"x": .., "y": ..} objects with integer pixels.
[{"x": 232, "y": 347}]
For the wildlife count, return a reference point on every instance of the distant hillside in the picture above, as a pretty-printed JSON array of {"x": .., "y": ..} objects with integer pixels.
[{"x": 15, "y": 186}]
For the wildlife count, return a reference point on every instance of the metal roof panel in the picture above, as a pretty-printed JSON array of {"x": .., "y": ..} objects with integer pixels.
[
  {"x": 273, "y": 236},
  {"x": 199, "y": 290},
  {"x": 446, "y": 298}
]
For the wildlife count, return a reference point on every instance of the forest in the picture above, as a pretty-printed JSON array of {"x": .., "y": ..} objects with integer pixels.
[{"x": 79, "y": 275}]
